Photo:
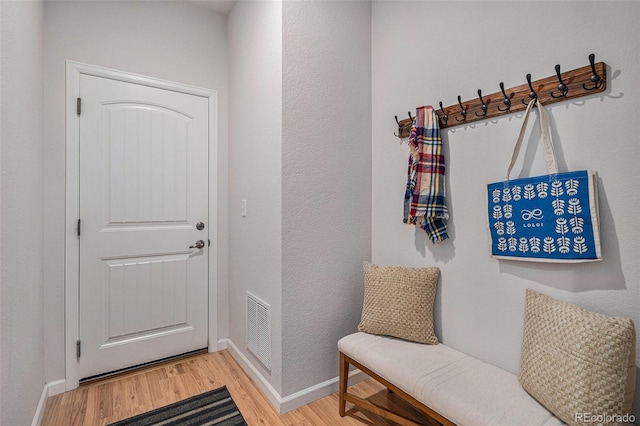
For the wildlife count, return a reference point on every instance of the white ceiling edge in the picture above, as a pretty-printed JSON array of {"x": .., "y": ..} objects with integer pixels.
[{"x": 220, "y": 6}]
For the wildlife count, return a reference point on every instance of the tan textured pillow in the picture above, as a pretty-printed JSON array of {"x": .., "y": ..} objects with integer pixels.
[
  {"x": 577, "y": 363},
  {"x": 398, "y": 302}
]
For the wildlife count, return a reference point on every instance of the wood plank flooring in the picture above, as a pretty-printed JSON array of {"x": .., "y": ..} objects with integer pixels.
[{"x": 117, "y": 398}]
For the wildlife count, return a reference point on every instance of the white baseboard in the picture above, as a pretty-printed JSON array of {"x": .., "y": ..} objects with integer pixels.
[
  {"x": 50, "y": 389},
  {"x": 265, "y": 387},
  {"x": 313, "y": 393},
  {"x": 56, "y": 387},
  {"x": 222, "y": 345},
  {"x": 42, "y": 405},
  {"x": 296, "y": 400}
]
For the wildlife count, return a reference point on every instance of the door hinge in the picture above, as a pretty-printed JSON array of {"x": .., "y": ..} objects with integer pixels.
[
  {"x": 78, "y": 350},
  {"x": 78, "y": 106},
  {"x": 78, "y": 227}
]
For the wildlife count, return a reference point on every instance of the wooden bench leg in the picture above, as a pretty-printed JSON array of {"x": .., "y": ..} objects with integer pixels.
[
  {"x": 361, "y": 403},
  {"x": 344, "y": 379}
]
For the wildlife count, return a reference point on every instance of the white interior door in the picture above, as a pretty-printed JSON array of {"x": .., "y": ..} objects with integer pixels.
[{"x": 143, "y": 190}]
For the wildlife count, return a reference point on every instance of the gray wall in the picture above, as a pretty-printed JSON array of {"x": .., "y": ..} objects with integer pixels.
[
  {"x": 300, "y": 154},
  {"x": 255, "y": 171},
  {"x": 21, "y": 191},
  {"x": 418, "y": 60},
  {"x": 326, "y": 182},
  {"x": 175, "y": 41}
]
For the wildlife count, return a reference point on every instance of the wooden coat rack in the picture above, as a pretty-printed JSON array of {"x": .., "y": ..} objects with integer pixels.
[{"x": 572, "y": 84}]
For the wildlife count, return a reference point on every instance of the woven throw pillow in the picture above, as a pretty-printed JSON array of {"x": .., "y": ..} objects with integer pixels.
[
  {"x": 575, "y": 362},
  {"x": 398, "y": 302}
]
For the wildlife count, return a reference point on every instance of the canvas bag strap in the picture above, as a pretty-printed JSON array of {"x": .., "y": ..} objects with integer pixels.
[{"x": 545, "y": 129}]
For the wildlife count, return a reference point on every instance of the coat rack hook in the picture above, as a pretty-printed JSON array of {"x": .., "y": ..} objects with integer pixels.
[
  {"x": 463, "y": 111},
  {"x": 506, "y": 101},
  {"x": 483, "y": 107},
  {"x": 399, "y": 134},
  {"x": 595, "y": 78},
  {"x": 561, "y": 87},
  {"x": 445, "y": 117},
  {"x": 532, "y": 94}
]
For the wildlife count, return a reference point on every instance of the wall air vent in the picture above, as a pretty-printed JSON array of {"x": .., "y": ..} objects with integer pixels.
[{"x": 259, "y": 329}]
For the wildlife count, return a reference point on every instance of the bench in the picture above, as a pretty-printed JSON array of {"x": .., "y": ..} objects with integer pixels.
[
  {"x": 574, "y": 363},
  {"x": 446, "y": 385}
]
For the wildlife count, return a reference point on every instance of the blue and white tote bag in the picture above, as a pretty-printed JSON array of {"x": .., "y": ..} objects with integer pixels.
[{"x": 550, "y": 218}]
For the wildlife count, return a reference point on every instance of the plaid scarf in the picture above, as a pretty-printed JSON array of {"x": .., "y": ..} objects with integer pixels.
[{"x": 425, "y": 202}]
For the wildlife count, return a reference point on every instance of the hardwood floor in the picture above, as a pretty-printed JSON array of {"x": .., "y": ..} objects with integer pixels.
[{"x": 117, "y": 398}]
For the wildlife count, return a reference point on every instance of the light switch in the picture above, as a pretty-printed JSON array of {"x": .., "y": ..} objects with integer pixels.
[{"x": 243, "y": 208}]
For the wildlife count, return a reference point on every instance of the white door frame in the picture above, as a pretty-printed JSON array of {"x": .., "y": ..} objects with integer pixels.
[{"x": 72, "y": 211}]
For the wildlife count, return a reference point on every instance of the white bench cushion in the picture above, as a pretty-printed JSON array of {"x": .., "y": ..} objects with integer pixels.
[{"x": 461, "y": 388}]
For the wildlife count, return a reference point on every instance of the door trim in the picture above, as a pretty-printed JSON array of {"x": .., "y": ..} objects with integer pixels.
[{"x": 72, "y": 204}]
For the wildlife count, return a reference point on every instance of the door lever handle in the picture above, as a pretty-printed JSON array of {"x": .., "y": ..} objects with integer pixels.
[{"x": 198, "y": 244}]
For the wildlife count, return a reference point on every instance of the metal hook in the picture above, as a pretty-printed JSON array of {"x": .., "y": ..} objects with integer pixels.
[
  {"x": 483, "y": 107},
  {"x": 595, "y": 78},
  {"x": 399, "y": 134},
  {"x": 463, "y": 111},
  {"x": 445, "y": 117},
  {"x": 532, "y": 94},
  {"x": 561, "y": 87},
  {"x": 506, "y": 101}
]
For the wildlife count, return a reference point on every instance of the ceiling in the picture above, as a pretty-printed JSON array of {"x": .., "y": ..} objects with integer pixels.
[{"x": 220, "y": 6}]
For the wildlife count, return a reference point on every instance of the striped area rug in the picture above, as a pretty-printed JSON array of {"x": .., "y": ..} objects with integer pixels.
[{"x": 210, "y": 408}]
